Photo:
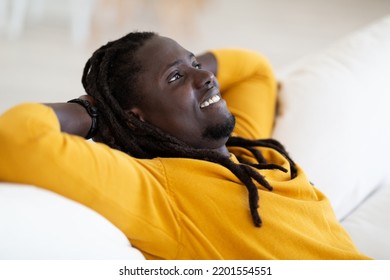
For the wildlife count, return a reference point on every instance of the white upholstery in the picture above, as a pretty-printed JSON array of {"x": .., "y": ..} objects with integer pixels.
[
  {"x": 335, "y": 123},
  {"x": 38, "y": 224},
  {"x": 369, "y": 225},
  {"x": 335, "y": 116}
]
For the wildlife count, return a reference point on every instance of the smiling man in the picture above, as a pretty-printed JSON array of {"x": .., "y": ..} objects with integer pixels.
[
  {"x": 189, "y": 103},
  {"x": 183, "y": 160}
]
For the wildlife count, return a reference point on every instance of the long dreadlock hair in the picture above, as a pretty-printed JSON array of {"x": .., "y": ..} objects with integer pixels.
[{"x": 110, "y": 76}]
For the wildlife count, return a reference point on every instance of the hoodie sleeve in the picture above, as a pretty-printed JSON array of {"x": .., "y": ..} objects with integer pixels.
[{"x": 34, "y": 151}]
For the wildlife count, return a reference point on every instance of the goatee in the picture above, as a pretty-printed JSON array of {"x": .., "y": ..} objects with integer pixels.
[{"x": 222, "y": 130}]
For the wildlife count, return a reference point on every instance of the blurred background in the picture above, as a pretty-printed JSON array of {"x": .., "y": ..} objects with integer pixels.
[{"x": 44, "y": 44}]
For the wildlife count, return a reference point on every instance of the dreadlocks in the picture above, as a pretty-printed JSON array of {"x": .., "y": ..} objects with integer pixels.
[{"x": 110, "y": 76}]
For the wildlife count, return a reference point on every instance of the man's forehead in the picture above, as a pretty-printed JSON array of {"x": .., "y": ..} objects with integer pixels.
[{"x": 162, "y": 50}]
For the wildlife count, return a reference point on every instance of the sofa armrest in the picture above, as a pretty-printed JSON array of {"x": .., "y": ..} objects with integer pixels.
[{"x": 38, "y": 224}]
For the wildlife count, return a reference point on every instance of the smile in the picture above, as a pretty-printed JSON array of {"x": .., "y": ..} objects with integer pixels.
[{"x": 213, "y": 99}]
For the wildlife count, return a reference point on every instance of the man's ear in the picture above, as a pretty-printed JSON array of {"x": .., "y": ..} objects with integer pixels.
[{"x": 135, "y": 111}]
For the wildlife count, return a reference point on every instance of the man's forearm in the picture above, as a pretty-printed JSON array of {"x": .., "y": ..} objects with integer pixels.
[{"x": 73, "y": 118}]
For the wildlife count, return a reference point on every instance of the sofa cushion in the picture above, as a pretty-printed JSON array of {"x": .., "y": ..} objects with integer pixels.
[
  {"x": 370, "y": 231},
  {"x": 335, "y": 117}
]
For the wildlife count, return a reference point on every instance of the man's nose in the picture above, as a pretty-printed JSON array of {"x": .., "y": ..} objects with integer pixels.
[{"x": 204, "y": 79}]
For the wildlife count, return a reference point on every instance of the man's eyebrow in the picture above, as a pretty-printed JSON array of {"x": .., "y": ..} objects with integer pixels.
[{"x": 190, "y": 56}]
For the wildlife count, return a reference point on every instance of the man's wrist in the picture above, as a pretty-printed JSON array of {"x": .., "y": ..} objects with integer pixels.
[{"x": 92, "y": 112}]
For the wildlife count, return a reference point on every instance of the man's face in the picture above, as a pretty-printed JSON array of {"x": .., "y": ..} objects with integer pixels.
[{"x": 179, "y": 97}]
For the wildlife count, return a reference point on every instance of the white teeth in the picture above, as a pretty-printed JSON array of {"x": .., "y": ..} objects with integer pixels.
[{"x": 210, "y": 101}]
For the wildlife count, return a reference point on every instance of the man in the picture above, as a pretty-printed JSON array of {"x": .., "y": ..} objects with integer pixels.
[{"x": 193, "y": 153}]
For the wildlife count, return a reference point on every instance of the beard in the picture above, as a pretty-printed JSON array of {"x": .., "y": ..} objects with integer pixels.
[{"x": 221, "y": 130}]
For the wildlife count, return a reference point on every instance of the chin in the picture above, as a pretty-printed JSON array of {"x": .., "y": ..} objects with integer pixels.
[{"x": 220, "y": 131}]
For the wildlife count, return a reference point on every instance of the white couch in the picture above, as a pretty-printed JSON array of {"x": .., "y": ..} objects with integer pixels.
[{"x": 334, "y": 121}]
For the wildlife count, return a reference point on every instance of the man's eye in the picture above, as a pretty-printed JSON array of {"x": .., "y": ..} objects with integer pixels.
[
  {"x": 175, "y": 77},
  {"x": 198, "y": 66}
]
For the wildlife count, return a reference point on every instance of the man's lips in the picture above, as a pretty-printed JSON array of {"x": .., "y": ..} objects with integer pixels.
[{"x": 212, "y": 98}]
